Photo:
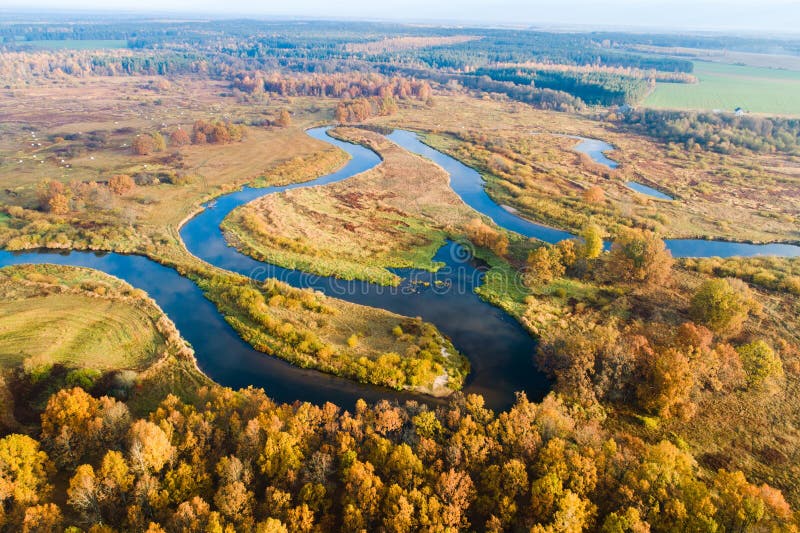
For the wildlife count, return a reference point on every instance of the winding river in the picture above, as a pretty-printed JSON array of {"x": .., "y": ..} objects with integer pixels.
[
  {"x": 499, "y": 349},
  {"x": 469, "y": 184}
]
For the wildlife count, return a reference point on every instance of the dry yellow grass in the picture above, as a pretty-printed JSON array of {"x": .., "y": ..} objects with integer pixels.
[
  {"x": 118, "y": 103},
  {"x": 756, "y": 430}
]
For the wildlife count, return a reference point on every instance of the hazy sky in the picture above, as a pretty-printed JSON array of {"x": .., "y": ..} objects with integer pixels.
[{"x": 755, "y": 15}]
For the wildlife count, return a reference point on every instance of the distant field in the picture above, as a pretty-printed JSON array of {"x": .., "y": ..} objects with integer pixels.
[
  {"x": 729, "y": 57},
  {"x": 726, "y": 87},
  {"x": 74, "y": 44}
]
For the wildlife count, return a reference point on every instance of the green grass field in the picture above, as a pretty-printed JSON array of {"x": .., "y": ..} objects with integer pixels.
[
  {"x": 75, "y": 44},
  {"x": 75, "y": 317},
  {"x": 726, "y": 87}
]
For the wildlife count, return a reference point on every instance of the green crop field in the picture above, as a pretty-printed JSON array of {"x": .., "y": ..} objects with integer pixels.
[
  {"x": 75, "y": 44},
  {"x": 726, "y": 87}
]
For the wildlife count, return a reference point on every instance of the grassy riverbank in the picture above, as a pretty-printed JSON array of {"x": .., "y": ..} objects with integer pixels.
[{"x": 68, "y": 326}]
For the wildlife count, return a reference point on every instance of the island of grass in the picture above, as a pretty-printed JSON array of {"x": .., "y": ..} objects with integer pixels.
[
  {"x": 394, "y": 216},
  {"x": 311, "y": 330}
]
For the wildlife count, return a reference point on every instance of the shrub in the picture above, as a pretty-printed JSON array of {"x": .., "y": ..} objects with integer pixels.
[
  {"x": 352, "y": 340},
  {"x": 121, "y": 183},
  {"x": 284, "y": 119},
  {"x": 592, "y": 237},
  {"x": 594, "y": 195},
  {"x": 719, "y": 306},
  {"x": 544, "y": 264},
  {"x": 53, "y": 197},
  {"x": 84, "y": 378},
  {"x": 58, "y": 204},
  {"x": 179, "y": 138},
  {"x": 483, "y": 235},
  {"x": 760, "y": 362},
  {"x": 142, "y": 144},
  {"x": 36, "y": 368},
  {"x": 159, "y": 144}
]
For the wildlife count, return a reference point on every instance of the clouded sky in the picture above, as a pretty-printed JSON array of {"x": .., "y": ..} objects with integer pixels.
[{"x": 755, "y": 15}]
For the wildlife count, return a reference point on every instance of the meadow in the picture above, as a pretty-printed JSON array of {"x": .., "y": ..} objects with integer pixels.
[
  {"x": 727, "y": 87},
  {"x": 79, "y": 318},
  {"x": 67, "y": 326}
]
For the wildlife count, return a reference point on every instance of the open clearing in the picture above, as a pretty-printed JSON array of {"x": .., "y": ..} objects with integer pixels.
[{"x": 726, "y": 87}]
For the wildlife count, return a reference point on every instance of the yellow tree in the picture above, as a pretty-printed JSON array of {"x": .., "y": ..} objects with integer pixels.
[
  {"x": 150, "y": 448},
  {"x": 42, "y": 518},
  {"x": 23, "y": 472},
  {"x": 284, "y": 119},
  {"x": 83, "y": 494},
  {"x": 592, "y": 237},
  {"x": 721, "y": 306},
  {"x": 179, "y": 138},
  {"x": 594, "y": 195},
  {"x": 544, "y": 264},
  {"x": 640, "y": 256},
  {"x": 71, "y": 425},
  {"x": 120, "y": 184},
  {"x": 142, "y": 144}
]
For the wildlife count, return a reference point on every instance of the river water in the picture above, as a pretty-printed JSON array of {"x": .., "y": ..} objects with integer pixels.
[{"x": 499, "y": 349}]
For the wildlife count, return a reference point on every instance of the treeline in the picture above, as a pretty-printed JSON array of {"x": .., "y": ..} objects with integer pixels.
[
  {"x": 388, "y": 44},
  {"x": 222, "y": 48},
  {"x": 350, "y": 85},
  {"x": 518, "y": 46},
  {"x": 631, "y": 72},
  {"x": 535, "y": 96},
  {"x": 236, "y": 461},
  {"x": 312, "y": 38},
  {"x": 596, "y": 88},
  {"x": 19, "y": 66},
  {"x": 721, "y": 132},
  {"x": 714, "y": 42}
]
